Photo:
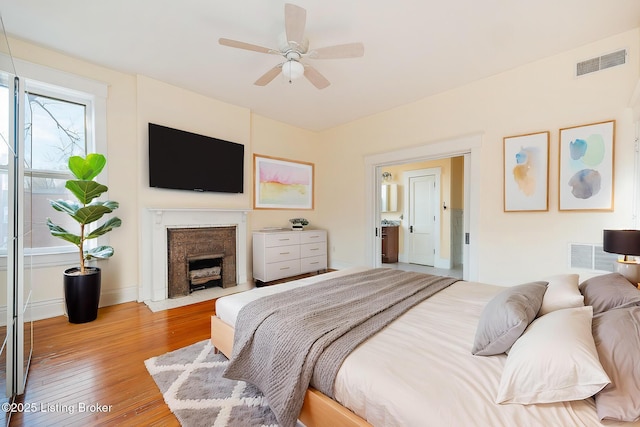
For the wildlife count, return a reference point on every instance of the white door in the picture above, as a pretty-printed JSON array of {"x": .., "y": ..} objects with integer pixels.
[{"x": 422, "y": 219}]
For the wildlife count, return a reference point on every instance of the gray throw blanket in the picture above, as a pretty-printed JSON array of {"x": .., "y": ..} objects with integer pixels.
[{"x": 279, "y": 338}]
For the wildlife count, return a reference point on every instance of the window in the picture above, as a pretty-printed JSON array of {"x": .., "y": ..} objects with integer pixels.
[
  {"x": 63, "y": 115},
  {"x": 55, "y": 130}
]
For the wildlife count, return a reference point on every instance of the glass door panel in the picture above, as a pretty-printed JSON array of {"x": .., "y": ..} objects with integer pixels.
[
  {"x": 6, "y": 240},
  {"x": 7, "y": 155},
  {"x": 16, "y": 328},
  {"x": 27, "y": 243}
]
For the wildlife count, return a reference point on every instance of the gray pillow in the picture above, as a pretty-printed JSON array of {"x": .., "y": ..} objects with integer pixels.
[
  {"x": 609, "y": 291},
  {"x": 616, "y": 334},
  {"x": 506, "y": 316}
]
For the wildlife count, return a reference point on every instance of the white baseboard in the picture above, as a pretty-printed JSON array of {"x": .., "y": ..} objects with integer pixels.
[
  {"x": 442, "y": 263},
  {"x": 119, "y": 296},
  {"x": 337, "y": 265},
  {"x": 55, "y": 307},
  {"x": 47, "y": 309},
  {"x": 438, "y": 262}
]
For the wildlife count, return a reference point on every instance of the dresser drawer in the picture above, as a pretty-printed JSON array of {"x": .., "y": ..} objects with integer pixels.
[
  {"x": 313, "y": 264},
  {"x": 281, "y": 253},
  {"x": 313, "y": 236},
  {"x": 281, "y": 239},
  {"x": 313, "y": 249},
  {"x": 279, "y": 270}
]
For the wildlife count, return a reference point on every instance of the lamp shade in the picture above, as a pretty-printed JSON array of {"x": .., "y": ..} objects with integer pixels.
[
  {"x": 292, "y": 69},
  {"x": 621, "y": 242}
]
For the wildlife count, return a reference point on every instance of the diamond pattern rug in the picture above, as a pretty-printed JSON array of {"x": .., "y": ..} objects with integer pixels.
[{"x": 190, "y": 380}]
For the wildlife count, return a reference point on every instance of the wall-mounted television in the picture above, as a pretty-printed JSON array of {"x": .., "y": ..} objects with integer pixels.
[{"x": 183, "y": 160}]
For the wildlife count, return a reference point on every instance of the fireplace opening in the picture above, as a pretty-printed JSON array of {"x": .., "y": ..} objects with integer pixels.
[{"x": 204, "y": 271}]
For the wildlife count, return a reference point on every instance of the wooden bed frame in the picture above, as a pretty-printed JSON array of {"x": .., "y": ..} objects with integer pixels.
[{"x": 318, "y": 409}]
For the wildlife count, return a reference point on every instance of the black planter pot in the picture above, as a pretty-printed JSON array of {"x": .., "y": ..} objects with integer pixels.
[{"x": 82, "y": 294}]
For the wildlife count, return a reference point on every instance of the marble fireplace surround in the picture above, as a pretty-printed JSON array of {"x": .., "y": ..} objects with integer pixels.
[{"x": 154, "y": 272}]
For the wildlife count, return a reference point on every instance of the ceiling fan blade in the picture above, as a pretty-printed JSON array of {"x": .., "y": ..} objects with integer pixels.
[
  {"x": 246, "y": 46},
  {"x": 295, "y": 19},
  {"x": 349, "y": 50},
  {"x": 267, "y": 77},
  {"x": 317, "y": 79}
]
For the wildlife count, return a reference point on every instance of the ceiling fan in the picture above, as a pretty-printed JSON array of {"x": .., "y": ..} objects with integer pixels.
[{"x": 295, "y": 48}]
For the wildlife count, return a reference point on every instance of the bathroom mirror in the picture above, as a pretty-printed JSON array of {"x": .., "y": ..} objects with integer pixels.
[{"x": 389, "y": 198}]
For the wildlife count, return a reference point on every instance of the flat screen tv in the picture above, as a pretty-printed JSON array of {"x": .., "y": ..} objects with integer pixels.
[{"x": 183, "y": 160}]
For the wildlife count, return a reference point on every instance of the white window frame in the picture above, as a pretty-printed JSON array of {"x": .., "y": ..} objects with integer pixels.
[{"x": 69, "y": 87}]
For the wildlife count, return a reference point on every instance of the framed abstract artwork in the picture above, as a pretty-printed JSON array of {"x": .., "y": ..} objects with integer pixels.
[
  {"x": 586, "y": 167},
  {"x": 526, "y": 172},
  {"x": 281, "y": 183}
]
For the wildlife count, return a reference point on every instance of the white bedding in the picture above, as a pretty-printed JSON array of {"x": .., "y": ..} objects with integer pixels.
[
  {"x": 227, "y": 308},
  {"x": 419, "y": 371}
]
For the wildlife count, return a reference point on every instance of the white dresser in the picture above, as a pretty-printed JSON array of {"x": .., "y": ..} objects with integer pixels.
[{"x": 283, "y": 253}]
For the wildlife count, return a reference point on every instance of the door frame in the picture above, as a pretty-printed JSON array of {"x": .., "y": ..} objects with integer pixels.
[
  {"x": 468, "y": 146},
  {"x": 404, "y": 256}
]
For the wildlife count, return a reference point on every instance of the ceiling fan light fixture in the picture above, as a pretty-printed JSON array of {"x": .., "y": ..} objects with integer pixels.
[
  {"x": 293, "y": 47},
  {"x": 292, "y": 69}
]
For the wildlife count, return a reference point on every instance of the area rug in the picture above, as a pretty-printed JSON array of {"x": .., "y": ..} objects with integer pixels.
[{"x": 190, "y": 380}]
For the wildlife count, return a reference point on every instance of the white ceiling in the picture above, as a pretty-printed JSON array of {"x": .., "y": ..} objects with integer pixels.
[{"x": 413, "y": 48}]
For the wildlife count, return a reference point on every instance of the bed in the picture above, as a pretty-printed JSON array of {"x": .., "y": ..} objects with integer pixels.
[{"x": 419, "y": 369}]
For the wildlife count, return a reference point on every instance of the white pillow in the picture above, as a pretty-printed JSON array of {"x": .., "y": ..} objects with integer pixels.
[
  {"x": 555, "y": 360},
  {"x": 562, "y": 292}
]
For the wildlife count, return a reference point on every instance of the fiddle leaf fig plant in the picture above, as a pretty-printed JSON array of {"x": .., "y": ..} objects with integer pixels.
[{"x": 86, "y": 210}]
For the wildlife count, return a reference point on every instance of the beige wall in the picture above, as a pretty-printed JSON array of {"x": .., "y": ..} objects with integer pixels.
[
  {"x": 133, "y": 102},
  {"x": 168, "y": 105},
  {"x": 276, "y": 139},
  {"x": 120, "y": 273},
  {"x": 199, "y": 114},
  {"x": 513, "y": 247}
]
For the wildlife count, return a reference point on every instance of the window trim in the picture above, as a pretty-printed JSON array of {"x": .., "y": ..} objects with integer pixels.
[{"x": 70, "y": 87}]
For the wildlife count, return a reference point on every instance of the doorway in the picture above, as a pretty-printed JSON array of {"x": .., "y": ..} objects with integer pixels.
[{"x": 461, "y": 230}]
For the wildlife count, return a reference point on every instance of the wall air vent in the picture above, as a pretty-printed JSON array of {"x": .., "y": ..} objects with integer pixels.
[
  {"x": 590, "y": 257},
  {"x": 601, "y": 62}
]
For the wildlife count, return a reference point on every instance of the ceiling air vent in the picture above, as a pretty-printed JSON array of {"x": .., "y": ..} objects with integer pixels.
[{"x": 601, "y": 62}]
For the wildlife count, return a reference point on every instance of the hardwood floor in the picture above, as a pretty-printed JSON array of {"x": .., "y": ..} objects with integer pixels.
[{"x": 102, "y": 363}]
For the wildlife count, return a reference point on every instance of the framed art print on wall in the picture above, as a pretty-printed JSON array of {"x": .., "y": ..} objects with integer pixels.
[
  {"x": 282, "y": 183},
  {"x": 526, "y": 172},
  {"x": 586, "y": 167}
]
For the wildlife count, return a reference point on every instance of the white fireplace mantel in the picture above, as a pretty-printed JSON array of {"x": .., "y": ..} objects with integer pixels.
[{"x": 156, "y": 221}]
